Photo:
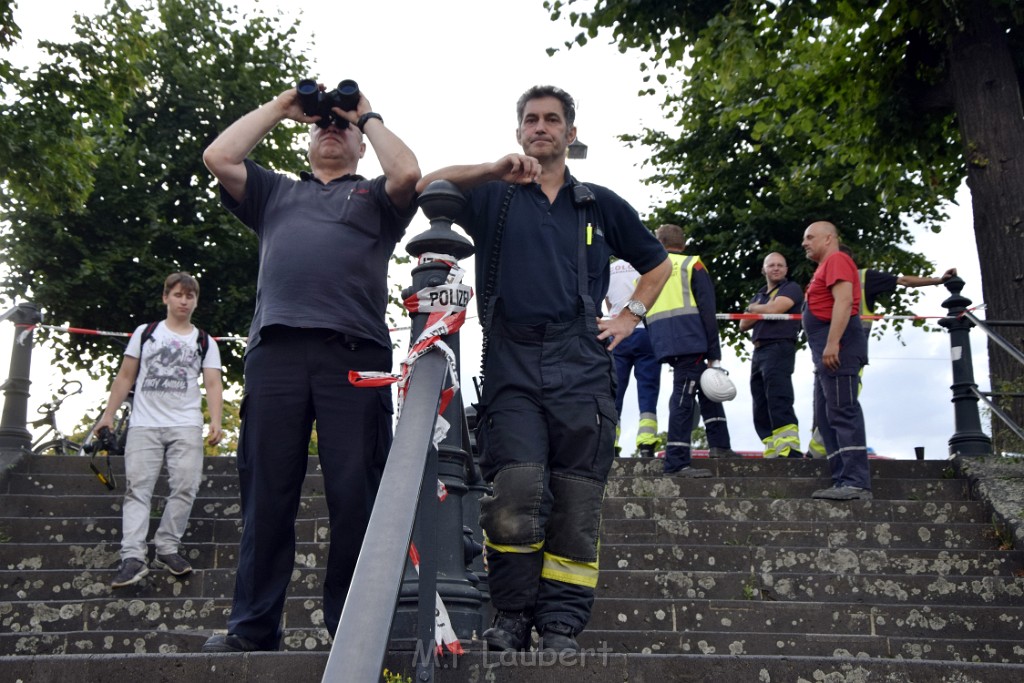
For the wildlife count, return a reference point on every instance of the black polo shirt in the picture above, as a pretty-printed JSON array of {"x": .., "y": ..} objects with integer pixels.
[{"x": 324, "y": 251}]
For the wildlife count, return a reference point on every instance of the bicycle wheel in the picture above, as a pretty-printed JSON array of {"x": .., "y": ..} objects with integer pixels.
[{"x": 58, "y": 447}]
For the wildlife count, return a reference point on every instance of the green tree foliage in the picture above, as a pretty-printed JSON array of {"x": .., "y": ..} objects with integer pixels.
[
  {"x": 868, "y": 113},
  {"x": 103, "y": 182}
]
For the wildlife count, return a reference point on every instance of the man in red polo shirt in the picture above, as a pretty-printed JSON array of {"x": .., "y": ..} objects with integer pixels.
[{"x": 839, "y": 351}]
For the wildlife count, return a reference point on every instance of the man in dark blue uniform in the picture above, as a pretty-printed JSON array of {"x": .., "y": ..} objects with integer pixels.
[
  {"x": 774, "y": 358},
  {"x": 325, "y": 244},
  {"x": 543, "y": 246}
]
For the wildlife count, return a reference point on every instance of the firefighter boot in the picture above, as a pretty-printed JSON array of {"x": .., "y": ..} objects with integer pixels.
[
  {"x": 558, "y": 637},
  {"x": 509, "y": 632}
]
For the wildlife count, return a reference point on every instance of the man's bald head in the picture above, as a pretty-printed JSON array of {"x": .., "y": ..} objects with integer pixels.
[
  {"x": 775, "y": 268},
  {"x": 821, "y": 239}
]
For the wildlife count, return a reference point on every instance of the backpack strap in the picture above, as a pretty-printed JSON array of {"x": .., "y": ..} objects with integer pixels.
[
  {"x": 147, "y": 334},
  {"x": 202, "y": 340}
]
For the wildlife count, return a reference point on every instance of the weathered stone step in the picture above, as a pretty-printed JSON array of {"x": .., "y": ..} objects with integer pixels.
[
  {"x": 57, "y": 464},
  {"x": 679, "y": 510},
  {"x": 727, "y": 644},
  {"x": 71, "y": 484},
  {"x": 593, "y": 667},
  {"x": 757, "y": 467},
  {"x": 776, "y": 488},
  {"x": 124, "y": 613},
  {"x": 70, "y": 585},
  {"x": 137, "y": 641},
  {"x": 629, "y": 467},
  {"x": 939, "y": 622},
  {"x": 78, "y": 584},
  {"x": 782, "y": 532},
  {"x": 738, "y": 558},
  {"x": 863, "y": 588},
  {"x": 714, "y": 532},
  {"x": 669, "y": 508},
  {"x": 226, "y": 486},
  {"x": 109, "y": 505},
  {"x": 811, "y": 560}
]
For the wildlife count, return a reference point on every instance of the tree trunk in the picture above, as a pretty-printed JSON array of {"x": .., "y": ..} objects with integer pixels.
[{"x": 987, "y": 100}]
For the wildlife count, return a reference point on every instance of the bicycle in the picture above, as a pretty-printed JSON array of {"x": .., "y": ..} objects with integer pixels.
[{"x": 61, "y": 445}]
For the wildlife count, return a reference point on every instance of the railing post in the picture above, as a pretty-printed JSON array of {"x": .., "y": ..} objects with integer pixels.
[
  {"x": 14, "y": 434},
  {"x": 438, "y": 533},
  {"x": 967, "y": 439}
]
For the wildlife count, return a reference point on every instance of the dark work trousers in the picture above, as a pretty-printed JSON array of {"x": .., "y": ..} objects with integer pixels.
[
  {"x": 713, "y": 414},
  {"x": 686, "y": 372},
  {"x": 634, "y": 354},
  {"x": 771, "y": 386},
  {"x": 837, "y": 411},
  {"x": 293, "y": 377},
  {"x": 549, "y": 405},
  {"x": 840, "y": 421}
]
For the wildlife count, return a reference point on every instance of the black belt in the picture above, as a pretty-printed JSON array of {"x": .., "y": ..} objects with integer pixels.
[{"x": 353, "y": 343}]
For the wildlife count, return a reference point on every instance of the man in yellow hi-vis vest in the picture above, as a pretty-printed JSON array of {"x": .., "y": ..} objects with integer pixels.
[{"x": 684, "y": 334}]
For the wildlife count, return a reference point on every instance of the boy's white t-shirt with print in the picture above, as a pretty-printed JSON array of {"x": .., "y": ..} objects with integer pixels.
[{"x": 167, "y": 387}]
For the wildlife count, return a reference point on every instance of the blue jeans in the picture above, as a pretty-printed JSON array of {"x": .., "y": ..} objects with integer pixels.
[{"x": 634, "y": 353}]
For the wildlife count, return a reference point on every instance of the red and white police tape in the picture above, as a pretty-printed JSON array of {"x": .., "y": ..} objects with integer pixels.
[{"x": 719, "y": 316}]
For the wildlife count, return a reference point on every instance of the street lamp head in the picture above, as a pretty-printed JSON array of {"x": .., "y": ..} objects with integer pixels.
[{"x": 577, "y": 150}]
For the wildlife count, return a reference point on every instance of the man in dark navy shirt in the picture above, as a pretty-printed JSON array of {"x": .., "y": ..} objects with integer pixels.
[
  {"x": 774, "y": 359},
  {"x": 543, "y": 246},
  {"x": 325, "y": 244}
]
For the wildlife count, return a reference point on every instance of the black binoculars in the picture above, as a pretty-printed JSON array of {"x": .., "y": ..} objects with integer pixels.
[{"x": 317, "y": 102}]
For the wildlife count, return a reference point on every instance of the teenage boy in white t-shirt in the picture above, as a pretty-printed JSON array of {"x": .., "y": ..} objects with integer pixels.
[{"x": 166, "y": 424}]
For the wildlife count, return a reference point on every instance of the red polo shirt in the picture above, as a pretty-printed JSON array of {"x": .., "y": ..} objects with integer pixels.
[{"x": 835, "y": 268}]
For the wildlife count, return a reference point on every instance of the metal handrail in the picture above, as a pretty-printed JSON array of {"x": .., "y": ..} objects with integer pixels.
[
  {"x": 1014, "y": 352},
  {"x": 361, "y": 641},
  {"x": 999, "y": 412}
]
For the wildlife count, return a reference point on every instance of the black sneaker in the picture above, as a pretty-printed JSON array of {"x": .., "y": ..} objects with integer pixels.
[
  {"x": 558, "y": 637},
  {"x": 646, "y": 450},
  {"x": 509, "y": 632},
  {"x": 131, "y": 571},
  {"x": 174, "y": 563},
  {"x": 716, "y": 452},
  {"x": 230, "y": 642}
]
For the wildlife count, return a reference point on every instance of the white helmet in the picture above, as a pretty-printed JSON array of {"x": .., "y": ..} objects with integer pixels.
[{"x": 716, "y": 385}]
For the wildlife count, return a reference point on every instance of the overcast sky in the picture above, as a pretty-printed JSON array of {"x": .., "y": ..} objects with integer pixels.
[{"x": 446, "y": 74}]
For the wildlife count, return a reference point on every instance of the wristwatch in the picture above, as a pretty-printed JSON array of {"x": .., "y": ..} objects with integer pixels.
[{"x": 637, "y": 308}]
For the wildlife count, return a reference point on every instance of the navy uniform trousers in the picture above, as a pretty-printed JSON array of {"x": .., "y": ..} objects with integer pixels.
[
  {"x": 547, "y": 445},
  {"x": 837, "y": 411}
]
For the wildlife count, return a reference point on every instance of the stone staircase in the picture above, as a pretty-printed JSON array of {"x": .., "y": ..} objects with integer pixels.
[{"x": 741, "y": 576}]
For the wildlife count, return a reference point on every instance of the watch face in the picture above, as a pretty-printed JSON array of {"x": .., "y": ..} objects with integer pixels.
[{"x": 637, "y": 308}]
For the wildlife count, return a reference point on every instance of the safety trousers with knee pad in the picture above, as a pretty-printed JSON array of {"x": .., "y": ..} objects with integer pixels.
[{"x": 539, "y": 540}]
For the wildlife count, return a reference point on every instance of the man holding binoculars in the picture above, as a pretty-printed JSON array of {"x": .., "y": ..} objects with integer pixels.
[{"x": 325, "y": 242}]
